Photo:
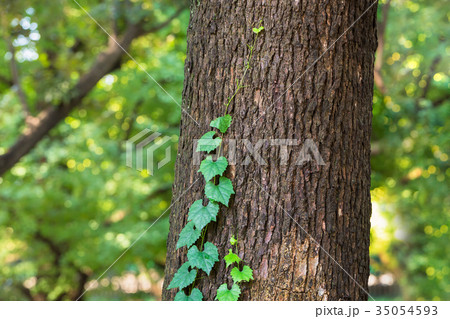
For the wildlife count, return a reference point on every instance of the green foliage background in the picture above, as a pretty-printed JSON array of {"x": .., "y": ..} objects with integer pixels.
[
  {"x": 410, "y": 146},
  {"x": 71, "y": 207}
]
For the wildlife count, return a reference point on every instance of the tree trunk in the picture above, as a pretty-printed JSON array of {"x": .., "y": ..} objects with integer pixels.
[{"x": 282, "y": 212}]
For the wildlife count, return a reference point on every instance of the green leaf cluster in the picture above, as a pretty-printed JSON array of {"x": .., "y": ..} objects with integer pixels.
[
  {"x": 188, "y": 235},
  {"x": 196, "y": 295},
  {"x": 183, "y": 277},
  {"x": 208, "y": 143},
  {"x": 204, "y": 257},
  {"x": 210, "y": 169},
  {"x": 410, "y": 178},
  {"x": 246, "y": 274},
  {"x": 231, "y": 258},
  {"x": 258, "y": 30},
  {"x": 71, "y": 204},
  {"x": 222, "y": 123},
  {"x": 220, "y": 193},
  {"x": 225, "y": 294},
  {"x": 200, "y": 216}
]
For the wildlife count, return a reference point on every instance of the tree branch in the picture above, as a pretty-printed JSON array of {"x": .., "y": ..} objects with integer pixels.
[
  {"x": 164, "y": 24},
  {"x": 51, "y": 116},
  {"x": 379, "y": 54},
  {"x": 430, "y": 75},
  {"x": 438, "y": 102},
  {"x": 16, "y": 80},
  {"x": 38, "y": 127},
  {"x": 6, "y": 81}
]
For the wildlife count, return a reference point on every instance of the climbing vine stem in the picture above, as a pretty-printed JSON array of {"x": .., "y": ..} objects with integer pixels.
[{"x": 218, "y": 190}]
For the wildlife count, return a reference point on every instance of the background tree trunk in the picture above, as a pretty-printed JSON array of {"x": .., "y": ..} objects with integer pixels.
[{"x": 330, "y": 104}]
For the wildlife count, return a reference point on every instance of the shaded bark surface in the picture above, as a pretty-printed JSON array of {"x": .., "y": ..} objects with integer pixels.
[{"x": 330, "y": 104}]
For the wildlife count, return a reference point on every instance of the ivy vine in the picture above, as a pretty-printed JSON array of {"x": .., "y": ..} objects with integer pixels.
[
  {"x": 218, "y": 190},
  {"x": 237, "y": 274}
]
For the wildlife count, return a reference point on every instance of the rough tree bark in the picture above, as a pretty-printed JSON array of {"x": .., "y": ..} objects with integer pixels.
[{"x": 330, "y": 104}]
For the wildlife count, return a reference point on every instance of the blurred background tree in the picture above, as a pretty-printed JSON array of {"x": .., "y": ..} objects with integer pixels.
[
  {"x": 410, "y": 145},
  {"x": 71, "y": 207}
]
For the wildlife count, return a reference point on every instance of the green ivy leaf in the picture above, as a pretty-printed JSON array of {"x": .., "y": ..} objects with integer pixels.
[
  {"x": 209, "y": 168},
  {"x": 188, "y": 235},
  {"x": 220, "y": 193},
  {"x": 222, "y": 123},
  {"x": 231, "y": 258},
  {"x": 208, "y": 143},
  {"x": 183, "y": 277},
  {"x": 205, "y": 259},
  {"x": 258, "y": 30},
  {"x": 223, "y": 294},
  {"x": 196, "y": 295},
  {"x": 202, "y": 215},
  {"x": 233, "y": 241},
  {"x": 245, "y": 275}
]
